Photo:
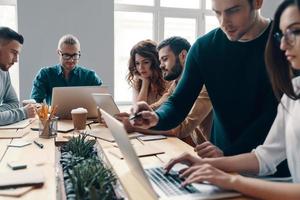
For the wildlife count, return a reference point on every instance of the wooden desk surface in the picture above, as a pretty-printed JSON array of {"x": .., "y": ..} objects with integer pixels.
[
  {"x": 172, "y": 147},
  {"x": 36, "y": 159},
  {"x": 3, "y": 147},
  {"x": 44, "y": 159}
]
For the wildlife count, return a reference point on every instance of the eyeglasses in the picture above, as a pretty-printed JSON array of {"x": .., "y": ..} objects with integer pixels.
[
  {"x": 289, "y": 36},
  {"x": 67, "y": 56}
]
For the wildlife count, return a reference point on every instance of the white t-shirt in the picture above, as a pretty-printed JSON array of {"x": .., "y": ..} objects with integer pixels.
[{"x": 283, "y": 140}]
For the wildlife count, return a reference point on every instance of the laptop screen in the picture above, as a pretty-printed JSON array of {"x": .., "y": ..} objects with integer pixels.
[{"x": 68, "y": 98}]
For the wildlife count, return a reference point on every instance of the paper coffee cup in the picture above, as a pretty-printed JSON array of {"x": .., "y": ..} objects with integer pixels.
[
  {"x": 79, "y": 116},
  {"x": 28, "y": 101}
]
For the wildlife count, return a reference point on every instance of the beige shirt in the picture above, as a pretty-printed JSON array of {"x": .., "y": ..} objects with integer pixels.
[{"x": 199, "y": 120}]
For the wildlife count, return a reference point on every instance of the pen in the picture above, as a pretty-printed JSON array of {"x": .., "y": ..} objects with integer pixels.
[
  {"x": 38, "y": 144},
  {"x": 135, "y": 116}
]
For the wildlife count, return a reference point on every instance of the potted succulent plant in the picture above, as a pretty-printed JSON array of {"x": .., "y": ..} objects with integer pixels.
[{"x": 86, "y": 176}]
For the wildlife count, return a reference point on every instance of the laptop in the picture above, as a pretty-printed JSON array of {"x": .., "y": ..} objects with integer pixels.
[
  {"x": 68, "y": 98},
  {"x": 106, "y": 102},
  {"x": 153, "y": 179}
]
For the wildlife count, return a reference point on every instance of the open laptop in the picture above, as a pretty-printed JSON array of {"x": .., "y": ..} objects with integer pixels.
[
  {"x": 68, "y": 98},
  {"x": 106, "y": 102},
  {"x": 153, "y": 179}
]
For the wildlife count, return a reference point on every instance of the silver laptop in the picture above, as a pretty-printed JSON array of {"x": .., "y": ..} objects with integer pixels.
[
  {"x": 106, "y": 102},
  {"x": 68, "y": 98},
  {"x": 153, "y": 179}
]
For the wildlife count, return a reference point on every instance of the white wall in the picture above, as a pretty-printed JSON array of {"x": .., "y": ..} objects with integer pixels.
[
  {"x": 43, "y": 22},
  {"x": 269, "y": 7}
]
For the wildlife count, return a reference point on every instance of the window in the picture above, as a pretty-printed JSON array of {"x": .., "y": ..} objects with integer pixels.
[
  {"x": 8, "y": 17},
  {"x": 137, "y": 20}
]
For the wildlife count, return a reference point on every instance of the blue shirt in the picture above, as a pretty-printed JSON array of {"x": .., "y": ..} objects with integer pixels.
[{"x": 50, "y": 77}]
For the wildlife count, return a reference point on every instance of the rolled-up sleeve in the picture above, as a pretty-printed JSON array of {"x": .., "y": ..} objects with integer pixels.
[{"x": 273, "y": 152}]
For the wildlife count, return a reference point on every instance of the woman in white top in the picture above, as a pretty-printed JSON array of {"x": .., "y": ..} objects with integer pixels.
[{"x": 283, "y": 140}]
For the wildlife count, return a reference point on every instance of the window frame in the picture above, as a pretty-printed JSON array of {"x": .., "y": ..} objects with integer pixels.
[
  {"x": 160, "y": 13},
  {"x": 14, "y": 72}
]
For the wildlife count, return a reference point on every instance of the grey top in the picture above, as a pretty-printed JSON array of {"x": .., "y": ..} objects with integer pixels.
[{"x": 10, "y": 112}]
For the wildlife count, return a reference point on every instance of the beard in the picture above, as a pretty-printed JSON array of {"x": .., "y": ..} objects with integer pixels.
[
  {"x": 3, "y": 67},
  {"x": 175, "y": 72}
]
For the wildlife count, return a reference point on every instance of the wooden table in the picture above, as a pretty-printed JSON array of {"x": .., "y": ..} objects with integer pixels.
[
  {"x": 45, "y": 159},
  {"x": 172, "y": 146},
  {"x": 36, "y": 159}
]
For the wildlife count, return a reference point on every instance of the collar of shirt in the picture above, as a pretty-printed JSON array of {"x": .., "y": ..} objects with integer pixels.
[{"x": 60, "y": 70}]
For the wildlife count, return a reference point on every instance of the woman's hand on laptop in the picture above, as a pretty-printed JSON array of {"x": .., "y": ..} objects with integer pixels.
[
  {"x": 143, "y": 116},
  {"x": 186, "y": 159},
  {"x": 208, "y": 174},
  {"x": 200, "y": 171}
]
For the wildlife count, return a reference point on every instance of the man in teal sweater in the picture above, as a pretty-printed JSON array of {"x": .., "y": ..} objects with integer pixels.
[
  {"x": 230, "y": 62},
  {"x": 66, "y": 73}
]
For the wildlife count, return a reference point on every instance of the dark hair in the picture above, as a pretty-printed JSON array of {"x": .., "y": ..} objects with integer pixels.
[
  {"x": 146, "y": 49},
  {"x": 9, "y": 35},
  {"x": 176, "y": 44},
  {"x": 251, "y": 3},
  {"x": 278, "y": 67}
]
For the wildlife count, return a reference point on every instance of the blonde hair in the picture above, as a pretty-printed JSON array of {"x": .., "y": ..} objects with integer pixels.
[{"x": 69, "y": 40}]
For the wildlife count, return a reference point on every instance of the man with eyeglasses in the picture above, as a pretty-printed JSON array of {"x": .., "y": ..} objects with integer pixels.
[
  {"x": 10, "y": 46},
  {"x": 66, "y": 73},
  {"x": 229, "y": 61}
]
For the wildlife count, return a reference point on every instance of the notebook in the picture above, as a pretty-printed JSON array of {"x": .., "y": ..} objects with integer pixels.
[
  {"x": 141, "y": 150},
  {"x": 107, "y": 136},
  {"x": 21, "y": 178},
  {"x": 13, "y": 133},
  {"x": 17, "y": 125}
]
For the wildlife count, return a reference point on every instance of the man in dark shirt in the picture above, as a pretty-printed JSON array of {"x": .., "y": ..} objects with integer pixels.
[
  {"x": 230, "y": 62},
  {"x": 67, "y": 73}
]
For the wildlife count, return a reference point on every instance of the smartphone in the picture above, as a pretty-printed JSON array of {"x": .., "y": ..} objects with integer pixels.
[
  {"x": 15, "y": 165},
  {"x": 152, "y": 137}
]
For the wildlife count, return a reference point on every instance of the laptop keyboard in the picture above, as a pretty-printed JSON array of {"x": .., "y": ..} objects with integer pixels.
[{"x": 169, "y": 183}]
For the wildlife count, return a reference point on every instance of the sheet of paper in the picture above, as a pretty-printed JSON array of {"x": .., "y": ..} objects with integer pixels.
[
  {"x": 13, "y": 133},
  {"x": 17, "y": 125},
  {"x": 141, "y": 150},
  {"x": 19, "y": 143},
  {"x": 21, "y": 178},
  {"x": 107, "y": 136}
]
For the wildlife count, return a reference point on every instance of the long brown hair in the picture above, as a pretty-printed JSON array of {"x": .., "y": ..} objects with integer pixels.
[
  {"x": 278, "y": 67},
  {"x": 146, "y": 49}
]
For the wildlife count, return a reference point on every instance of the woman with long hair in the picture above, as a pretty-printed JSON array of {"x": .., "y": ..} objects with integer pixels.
[
  {"x": 145, "y": 75},
  {"x": 282, "y": 57}
]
